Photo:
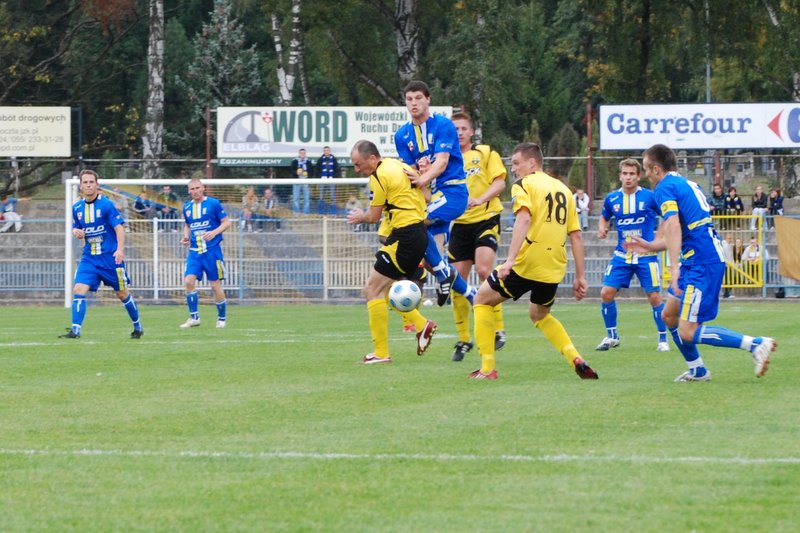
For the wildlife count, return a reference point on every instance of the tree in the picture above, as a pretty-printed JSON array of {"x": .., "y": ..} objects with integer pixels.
[
  {"x": 222, "y": 72},
  {"x": 152, "y": 141}
]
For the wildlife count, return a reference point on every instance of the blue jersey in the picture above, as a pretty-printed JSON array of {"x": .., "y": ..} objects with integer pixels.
[
  {"x": 201, "y": 217},
  {"x": 636, "y": 215},
  {"x": 436, "y": 135},
  {"x": 680, "y": 197},
  {"x": 97, "y": 219}
]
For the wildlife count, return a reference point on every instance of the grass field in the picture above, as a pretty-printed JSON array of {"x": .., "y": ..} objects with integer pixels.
[{"x": 271, "y": 425}]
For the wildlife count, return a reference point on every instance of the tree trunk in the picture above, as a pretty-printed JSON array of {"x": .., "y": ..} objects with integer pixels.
[
  {"x": 407, "y": 38},
  {"x": 152, "y": 141}
]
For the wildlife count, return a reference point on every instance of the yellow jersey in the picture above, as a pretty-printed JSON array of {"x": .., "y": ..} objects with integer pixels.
[
  {"x": 402, "y": 202},
  {"x": 543, "y": 256},
  {"x": 482, "y": 165}
]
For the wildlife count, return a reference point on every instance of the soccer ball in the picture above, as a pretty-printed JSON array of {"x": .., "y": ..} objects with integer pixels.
[{"x": 404, "y": 295}]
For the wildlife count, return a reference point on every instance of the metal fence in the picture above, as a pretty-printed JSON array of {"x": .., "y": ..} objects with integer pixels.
[{"x": 311, "y": 259}]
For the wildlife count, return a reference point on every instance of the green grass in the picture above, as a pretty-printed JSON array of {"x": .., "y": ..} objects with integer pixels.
[{"x": 271, "y": 424}]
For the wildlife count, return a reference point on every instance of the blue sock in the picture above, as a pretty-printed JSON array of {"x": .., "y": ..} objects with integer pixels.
[
  {"x": 719, "y": 336},
  {"x": 687, "y": 349},
  {"x": 434, "y": 258},
  {"x": 193, "y": 301},
  {"x": 222, "y": 310},
  {"x": 461, "y": 287},
  {"x": 133, "y": 311},
  {"x": 609, "y": 311},
  {"x": 660, "y": 326},
  {"x": 78, "y": 312}
]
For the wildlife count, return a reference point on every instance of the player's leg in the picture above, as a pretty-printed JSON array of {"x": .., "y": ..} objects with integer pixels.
[
  {"x": 214, "y": 269},
  {"x": 79, "y": 292},
  {"x": 461, "y": 308},
  {"x": 375, "y": 294},
  {"x": 192, "y": 301},
  {"x": 649, "y": 274},
  {"x": 443, "y": 208},
  {"x": 704, "y": 295},
  {"x": 220, "y": 302},
  {"x": 486, "y": 239},
  {"x": 128, "y": 301},
  {"x": 543, "y": 296},
  {"x": 485, "y": 300},
  {"x": 618, "y": 275}
]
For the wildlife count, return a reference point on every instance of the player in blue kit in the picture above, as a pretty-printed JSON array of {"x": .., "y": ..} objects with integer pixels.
[
  {"x": 430, "y": 144},
  {"x": 697, "y": 266},
  {"x": 96, "y": 221},
  {"x": 206, "y": 219},
  {"x": 636, "y": 214}
]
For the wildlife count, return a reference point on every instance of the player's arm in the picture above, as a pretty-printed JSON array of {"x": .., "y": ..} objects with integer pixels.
[
  {"x": 119, "y": 253},
  {"x": 602, "y": 228},
  {"x": 433, "y": 171},
  {"x": 579, "y": 286},
  {"x": 77, "y": 232},
  {"x": 522, "y": 224},
  {"x": 224, "y": 224},
  {"x": 498, "y": 186}
]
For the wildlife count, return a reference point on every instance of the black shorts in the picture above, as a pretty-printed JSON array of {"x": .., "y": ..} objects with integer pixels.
[
  {"x": 514, "y": 286},
  {"x": 401, "y": 255},
  {"x": 465, "y": 238}
]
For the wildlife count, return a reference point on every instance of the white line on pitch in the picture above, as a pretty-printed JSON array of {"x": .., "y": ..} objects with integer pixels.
[{"x": 561, "y": 458}]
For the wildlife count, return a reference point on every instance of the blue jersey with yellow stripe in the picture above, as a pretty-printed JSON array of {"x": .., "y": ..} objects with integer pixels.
[
  {"x": 436, "y": 135},
  {"x": 636, "y": 215},
  {"x": 678, "y": 196},
  {"x": 97, "y": 219},
  {"x": 202, "y": 217}
]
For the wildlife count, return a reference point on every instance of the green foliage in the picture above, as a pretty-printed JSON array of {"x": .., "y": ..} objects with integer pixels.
[
  {"x": 270, "y": 424},
  {"x": 565, "y": 143}
]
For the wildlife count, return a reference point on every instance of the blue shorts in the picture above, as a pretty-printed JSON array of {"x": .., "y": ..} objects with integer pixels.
[
  {"x": 211, "y": 263},
  {"x": 619, "y": 273},
  {"x": 446, "y": 205},
  {"x": 700, "y": 285},
  {"x": 94, "y": 269}
]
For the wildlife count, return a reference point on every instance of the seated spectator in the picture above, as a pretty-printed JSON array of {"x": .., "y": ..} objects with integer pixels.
[
  {"x": 143, "y": 206},
  {"x": 733, "y": 206},
  {"x": 165, "y": 208},
  {"x": 249, "y": 207},
  {"x": 8, "y": 212},
  {"x": 753, "y": 257},
  {"x": 353, "y": 203},
  {"x": 269, "y": 212},
  {"x": 582, "y": 205},
  {"x": 759, "y": 205},
  {"x": 775, "y": 206},
  {"x": 716, "y": 200}
]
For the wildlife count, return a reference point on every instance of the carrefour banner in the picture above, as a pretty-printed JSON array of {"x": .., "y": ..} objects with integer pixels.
[
  {"x": 700, "y": 126},
  {"x": 272, "y": 136}
]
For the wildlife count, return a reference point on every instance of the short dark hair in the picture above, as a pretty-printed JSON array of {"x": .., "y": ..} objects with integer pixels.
[
  {"x": 530, "y": 151},
  {"x": 366, "y": 148},
  {"x": 417, "y": 86},
  {"x": 663, "y": 156},
  {"x": 462, "y": 115}
]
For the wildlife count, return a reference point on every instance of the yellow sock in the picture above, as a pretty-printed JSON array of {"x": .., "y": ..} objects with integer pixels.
[
  {"x": 461, "y": 314},
  {"x": 406, "y": 321},
  {"x": 498, "y": 318},
  {"x": 555, "y": 333},
  {"x": 379, "y": 326},
  {"x": 416, "y": 318},
  {"x": 484, "y": 336}
]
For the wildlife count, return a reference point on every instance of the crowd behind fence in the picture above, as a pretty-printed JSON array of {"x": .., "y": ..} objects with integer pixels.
[{"x": 313, "y": 259}]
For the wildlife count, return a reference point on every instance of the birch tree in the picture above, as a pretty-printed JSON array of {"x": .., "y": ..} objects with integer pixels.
[{"x": 152, "y": 140}]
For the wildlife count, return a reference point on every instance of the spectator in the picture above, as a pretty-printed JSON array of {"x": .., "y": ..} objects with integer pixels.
[
  {"x": 327, "y": 169},
  {"x": 8, "y": 213},
  {"x": 249, "y": 207},
  {"x": 167, "y": 200},
  {"x": 354, "y": 204},
  {"x": 775, "y": 206},
  {"x": 716, "y": 201},
  {"x": 754, "y": 256},
  {"x": 269, "y": 207},
  {"x": 759, "y": 205},
  {"x": 733, "y": 206},
  {"x": 733, "y": 256},
  {"x": 143, "y": 206},
  {"x": 582, "y": 204},
  {"x": 301, "y": 169}
]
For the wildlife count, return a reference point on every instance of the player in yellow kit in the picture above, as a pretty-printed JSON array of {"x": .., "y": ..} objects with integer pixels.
[
  {"x": 475, "y": 235},
  {"x": 391, "y": 190},
  {"x": 537, "y": 261}
]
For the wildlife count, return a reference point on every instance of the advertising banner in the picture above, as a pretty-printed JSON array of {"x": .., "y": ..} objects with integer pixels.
[
  {"x": 700, "y": 126},
  {"x": 271, "y": 136},
  {"x": 35, "y": 132}
]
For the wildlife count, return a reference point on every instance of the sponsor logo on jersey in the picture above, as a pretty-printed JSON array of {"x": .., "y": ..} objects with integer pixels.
[
  {"x": 630, "y": 221},
  {"x": 94, "y": 230}
]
